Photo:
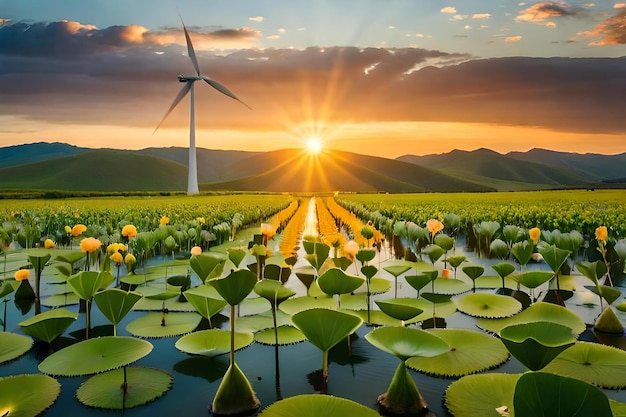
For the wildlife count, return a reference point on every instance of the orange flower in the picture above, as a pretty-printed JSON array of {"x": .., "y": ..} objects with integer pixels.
[
  {"x": 602, "y": 234},
  {"x": 268, "y": 230},
  {"x": 434, "y": 226},
  {"x": 117, "y": 257},
  {"x": 22, "y": 274},
  {"x": 350, "y": 249},
  {"x": 164, "y": 221},
  {"x": 445, "y": 273},
  {"x": 130, "y": 259},
  {"x": 534, "y": 234},
  {"x": 78, "y": 229},
  {"x": 90, "y": 244},
  {"x": 129, "y": 231},
  {"x": 196, "y": 250},
  {"x": 49, "y": 244}
]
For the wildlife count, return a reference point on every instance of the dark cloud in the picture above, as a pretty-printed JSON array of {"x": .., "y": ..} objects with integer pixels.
[
  {"x": 611, "y": 31},
  {"x": 134, "y": 86},
  {"x": 542, "y": 11}
]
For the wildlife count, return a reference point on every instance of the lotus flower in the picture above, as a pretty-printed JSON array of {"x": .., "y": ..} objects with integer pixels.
[
  {"x": 434, "y": 226},
  {"x": 117, "y": 258},
  {"x": 350, "y": 249},
  {"x": 129, "y": 231},
  {"x": 196, "y": 250},
  {"x": 90, "y": 244},
  {"x": 534, "y": 234},
  {"x": 22, "y": 274},
  {"x": 116, "y": 247},
  {"x": 78, "y": 229},
  {"x": 68, "y": 230},
  {"x": 602, "y": 234},
  {"x": 49, "y": 244},
  {"x": 164, "y": 221}
]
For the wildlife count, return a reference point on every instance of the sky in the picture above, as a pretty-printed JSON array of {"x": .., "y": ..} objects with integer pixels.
[{"x": 376, "y": 77}]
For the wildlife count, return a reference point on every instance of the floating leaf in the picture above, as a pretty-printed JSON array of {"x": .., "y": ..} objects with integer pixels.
[
  {"x": 469, "y": 352},
  {"x": 537, "y": 312},
  {"x": 539, "y": 394},
  {"x": 27, "y": 395},
  {"x": 7, "y": 287},
  {"x": 604, "y": 366},
  {"x": 451, "y": 286},
  {"x": 163, "y": 325},
  {"x": 536, "y": 344},
  {"x": 95, "y": 355},
  {"x": 398, "y": 310},
  {"x": 488, "y": 305},
  {"x": 287, "y": 335},
  {"x": 212, "y": 342},
  {"x": 533, "y": 279},
  {"x": 105, "y": 390},
  {"x": 49, "y": 325},
  {"x": 314, "y": 405},
  {"x": 405, "y": 342},
  {"x": 480, "y": 395},
  {"x": 13, "y": 346},
  {"x": 294, "y": 305}
]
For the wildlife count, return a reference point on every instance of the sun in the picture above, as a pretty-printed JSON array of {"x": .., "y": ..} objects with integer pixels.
[{"x": 314, "y": 145}]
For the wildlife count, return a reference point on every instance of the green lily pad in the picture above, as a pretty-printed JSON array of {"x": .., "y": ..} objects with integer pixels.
[
  {"x": 479, "y": 395},
  {"x": 604, "y": 366},
  {"x": 294, "y": 305},
  {"x": 314, "y": 405},
  {"x": 143, "y": 386},
  {"x": 325, "y": 328},
  {"x": 49, "y": 325},
  {"x": 254, "y": 305},
  {"x": 405, "y": 342},
  {"x": 488, "y": 305},
  {"x": 537, "y": 312},
  {"x": 353, "y": 302},
  {"x": 377, "y": 318},
  {"x": 542, "y": 394},
  {"x": 27, "y": 395},
  {"x": 398, "y": 309},
  {"x": 469, "y": 352},
  {"x": 533, "y": 279},
  {"x": 86, "y": 283},
  {"x": 432, "y": 309},
  {"x": 13, "y": 345},
  {"x": 115, "y": 304},
  {"x": 336, "y": 281},
  {"x": 451, "y": 286},
  {"x": 95, "y": 355},
  {"x": 148, "y": 304},
  {"x": 493, "y": 281},
  {"x": 206, "y": 300},
  {"x": 7, "y": 287},
  {"x": 212, "y": 342},
  {"x": 176, "y": 324},
  {"x": 273, "y": 291},
  {"x": 253, "y": 324},
  {"x": 287, "y": 335},
  {"x": 235, "y": 286},
  {"x": 60, "y": 300}
]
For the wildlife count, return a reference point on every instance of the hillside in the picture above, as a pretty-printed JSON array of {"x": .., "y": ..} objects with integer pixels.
[
  {"x": 485, "y": 166},
  {"x": 97, "y": 170},
  {"x": 35, "y": 152}
]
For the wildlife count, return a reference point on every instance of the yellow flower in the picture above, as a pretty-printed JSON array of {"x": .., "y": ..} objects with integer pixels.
[
  {"x": 602, "y": 234},
  {"x": 78, "y": 229},
  {"x": 268, "y": 230},
  {"x": 164, "y": 221},
  {"x": 196, "y": 250},
  {"x": 534, "y": 234},
  {"x": 350, "y": 249},
  {"x": 49, "y": 244},
  {"x": 117, "y": 257},
  {"x": 90, "y": 244},
  {"x": 68, "y": 230},
  {"x": 434, "y": 226},
  {"x": 22, "y": 274},
  {"x": 129, "y": 231},
  {"x": 200, "y": 220},
  {"x": 116, "y": 247},
  {"x": 130, "y": 259}
]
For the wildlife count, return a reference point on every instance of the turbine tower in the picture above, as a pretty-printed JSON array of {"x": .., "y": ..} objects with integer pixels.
[{"x": 189, "y": 80}]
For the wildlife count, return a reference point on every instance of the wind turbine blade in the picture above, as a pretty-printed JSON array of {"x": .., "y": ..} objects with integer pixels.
[
  {"x": 222, "y": 89},
  {"x": 181, "y": 94},
  {"x": 190, "y": 51}
]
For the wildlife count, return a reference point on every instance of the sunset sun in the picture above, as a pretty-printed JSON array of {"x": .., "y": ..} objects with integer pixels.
[{"x": 313, "y": 145}]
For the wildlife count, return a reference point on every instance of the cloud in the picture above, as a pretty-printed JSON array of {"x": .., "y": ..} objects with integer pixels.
[
  {"x": 3, "y": 21},
  {"x": 66, "y": 38},
  {"x": 611, "y": 32},
  {"x": 133, "y": 87},
  {"x": 480, "y": 16},
  {"x": 539, "y": 13},
  {"x": 512, "y": 39},
  {"x": 619, "y": 5},
  {"x": 590, "y": 5},
  {"x": 256, "y": 18},
  {"x": 459, "y": 17},
  {"x": 448, "y": 9},
  {"x": 272, "y": 37}
]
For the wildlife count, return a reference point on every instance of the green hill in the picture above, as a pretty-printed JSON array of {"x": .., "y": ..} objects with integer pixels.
[
  {"x": 36, "y": 152},
  {"x": 98, "y": 170}
]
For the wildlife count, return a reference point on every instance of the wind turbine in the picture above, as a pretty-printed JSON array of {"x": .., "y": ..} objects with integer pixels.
[{"x": 189, "y": 80}]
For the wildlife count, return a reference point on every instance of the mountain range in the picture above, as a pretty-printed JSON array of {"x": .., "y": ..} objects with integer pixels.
[{"x": 60, "y": 166}]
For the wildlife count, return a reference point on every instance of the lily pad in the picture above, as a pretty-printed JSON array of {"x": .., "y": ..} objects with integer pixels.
[
  {"x": 60, "y": 300},
  {"x": 13, "y": 345},
  {"x": 537, "y": 312},
  {"x": 488, "y": 305},
  {"x": 174, "y": 324},
  {"x": 49, "y": 325},
  {"x": 336, "y": 281},
  {"x": 206, "y": 300},
  {"x": 95, "y": 355},
  {"x": 314, "y": 405},
  {"x": 451, "y": 286},
  {"x": 479, "y": 395},
  {"x": 287, "y": 335},
  {"x": 325, "y": 328},
  {"x": 27, "y": 395},
  {"x": 212, "y": 342},
  {"x": 294, "y": 305},
  {"x": 143, "y": 385},
  {"x": 597, "y": 364},
  {"x": 469, "y": 352},
  {"x": 398, "y": 309},
  {"x": 405, "y": 342}
]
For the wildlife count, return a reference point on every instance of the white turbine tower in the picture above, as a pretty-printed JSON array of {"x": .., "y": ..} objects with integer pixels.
[{"x": 189, "y": 80}]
